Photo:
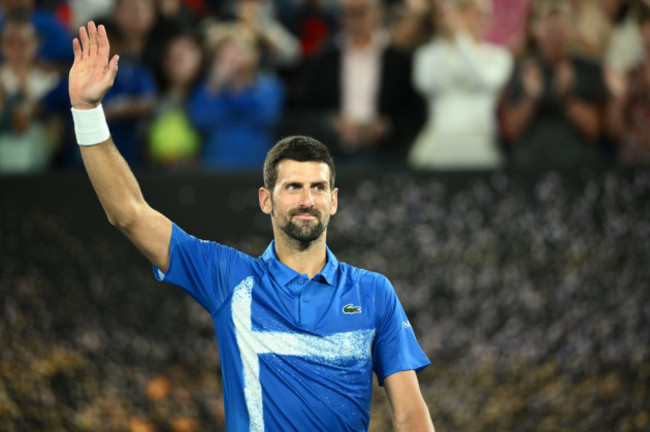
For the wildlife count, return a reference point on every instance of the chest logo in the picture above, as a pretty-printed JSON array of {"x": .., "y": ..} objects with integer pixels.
[{"x": 349, "y": 309}]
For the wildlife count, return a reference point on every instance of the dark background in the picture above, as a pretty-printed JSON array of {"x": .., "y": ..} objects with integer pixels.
[{"x": 528, "y": 292}]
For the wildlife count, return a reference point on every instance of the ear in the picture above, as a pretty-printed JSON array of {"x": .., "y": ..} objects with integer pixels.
[
  {"x": 335, "y": 201},
  {"x": 265, "y": 200}
]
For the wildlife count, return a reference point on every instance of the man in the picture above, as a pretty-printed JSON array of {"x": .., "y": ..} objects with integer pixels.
[
  {"x": 299, "y": 333},
  {"x": 553, "y": 107},
  {"x": 364, "y": 83}
]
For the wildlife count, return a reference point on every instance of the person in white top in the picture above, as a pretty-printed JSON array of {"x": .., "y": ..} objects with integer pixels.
[
  {"x": 461, "y": 77},
  {"x": 25, "y": 144}
]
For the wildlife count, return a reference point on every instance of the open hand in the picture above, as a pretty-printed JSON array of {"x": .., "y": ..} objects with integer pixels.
[
  {"x": 564, "y": 79},
  {"x": 532, "y": 79},
  {"x": 91, "y": 75}
]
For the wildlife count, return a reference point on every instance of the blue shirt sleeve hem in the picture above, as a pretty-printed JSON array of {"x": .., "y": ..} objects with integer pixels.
[{"x": 417, "y": 369}]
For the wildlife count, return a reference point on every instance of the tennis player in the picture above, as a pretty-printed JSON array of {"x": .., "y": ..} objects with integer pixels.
[{"x": 299, "y": 333}]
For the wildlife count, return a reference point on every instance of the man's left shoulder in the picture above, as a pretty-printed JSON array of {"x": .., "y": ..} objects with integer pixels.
[{"x": 363, "y": 277}]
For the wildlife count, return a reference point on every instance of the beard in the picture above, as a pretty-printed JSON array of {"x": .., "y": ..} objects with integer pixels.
[{"x": 304, "y": 232}]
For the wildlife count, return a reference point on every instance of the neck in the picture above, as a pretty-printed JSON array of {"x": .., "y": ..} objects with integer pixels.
[
  {"x": 361, "y": 40},
  {"x": 20, "y": 68},
  {"x": 305, "y": 258}
]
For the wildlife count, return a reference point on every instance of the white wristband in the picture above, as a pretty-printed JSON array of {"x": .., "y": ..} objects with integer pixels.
[{"x": 90, "y": 126}]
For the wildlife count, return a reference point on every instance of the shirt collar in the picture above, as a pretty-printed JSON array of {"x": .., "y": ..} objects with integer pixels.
[
  {"x": 380, "y": 40},
  {"x": 284, "y": 274}
]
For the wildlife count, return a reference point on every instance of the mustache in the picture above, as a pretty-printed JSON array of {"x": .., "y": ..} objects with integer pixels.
[{"x": 305, "y": 210}]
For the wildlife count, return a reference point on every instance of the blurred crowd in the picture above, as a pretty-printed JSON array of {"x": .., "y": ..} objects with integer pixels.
[
  {"x": 424, "y": 84},
  {"x": 529, "y": 295}
]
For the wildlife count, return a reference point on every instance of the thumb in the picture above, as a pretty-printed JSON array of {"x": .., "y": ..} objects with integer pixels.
[{"x": 111, "y": 70}]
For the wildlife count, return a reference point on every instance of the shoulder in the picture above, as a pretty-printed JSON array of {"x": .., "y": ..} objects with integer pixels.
[
  {"x": 433, "y": 48},
  {"x": 497, "y": 52},
  {"x": 586, "y": 65},
  {"x": 365, "y": 279},
  {"x": 330, "y": 49},
  {"x": 495, "y": 49},
  {"x": 208, "y": 248},
  {"x": 392, "y": 51},
  {"x": 269, "y": 81}
]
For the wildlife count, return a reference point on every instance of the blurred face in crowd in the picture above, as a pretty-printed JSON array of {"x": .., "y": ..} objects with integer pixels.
[
  {"x": 17, "y": 5},
  {"x": 19, "y": 44},
  {"x": 239, "y": 54},
  {"x": 301, "y": 202},
  {"x": 135, "y": 17},
  {"x": 169, "y": 7},
  {"x": 182, "y": 62},
  {"x": 554, "y": 36},
  {"x": 360, "y": 18},
  {"x": 477, "y": 15}
]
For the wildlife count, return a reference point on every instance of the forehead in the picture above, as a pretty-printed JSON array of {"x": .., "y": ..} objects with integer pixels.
[{"x": 303, "y": 172}]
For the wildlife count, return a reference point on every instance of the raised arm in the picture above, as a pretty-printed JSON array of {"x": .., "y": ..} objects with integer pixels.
[
  {"x": 91, "y": 76},
  {"x": 410, "y": 412}
]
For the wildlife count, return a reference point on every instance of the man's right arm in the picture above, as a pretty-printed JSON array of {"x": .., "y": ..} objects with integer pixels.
[
  {"x": 91, "y": 76},
  {"x": 125, "y": 207}
]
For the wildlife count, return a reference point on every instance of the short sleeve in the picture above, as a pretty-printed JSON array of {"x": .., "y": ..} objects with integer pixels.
[
  {"x": 201, "y": 268},
  {"x": 396, "y": 348}
]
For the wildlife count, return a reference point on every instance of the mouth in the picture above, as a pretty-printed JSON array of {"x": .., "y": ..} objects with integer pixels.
[{"x": 304, "y": 216}]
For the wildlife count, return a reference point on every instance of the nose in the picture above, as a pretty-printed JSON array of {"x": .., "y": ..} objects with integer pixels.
[{"x": 306, "y": 198}]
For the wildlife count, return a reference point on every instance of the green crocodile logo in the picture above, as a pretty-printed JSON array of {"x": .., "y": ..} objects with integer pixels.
[{"x": 349, "y": 309}]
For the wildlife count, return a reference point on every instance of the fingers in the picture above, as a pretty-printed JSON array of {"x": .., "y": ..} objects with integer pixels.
[
  {"x": 92, "y": 36},
  {"x": 102, "y": 42},
  {"x": 111, "y": 71},
  {"x": 92, "y": 40},
  {"x": 85, "y": 43},
  {"x": 76, "y": 48}
]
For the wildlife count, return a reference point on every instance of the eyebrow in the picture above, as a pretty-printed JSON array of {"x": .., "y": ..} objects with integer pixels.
[{"x": 299, "y": 183}]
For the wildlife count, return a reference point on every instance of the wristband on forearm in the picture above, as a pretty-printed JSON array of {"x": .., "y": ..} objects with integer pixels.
[{"x": 90, "y": 126}]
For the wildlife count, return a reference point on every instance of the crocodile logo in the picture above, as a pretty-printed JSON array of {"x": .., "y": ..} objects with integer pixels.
[{"x": 349, "y": 309}]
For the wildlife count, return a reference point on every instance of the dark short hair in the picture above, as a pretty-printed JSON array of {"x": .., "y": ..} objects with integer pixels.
[
  {"x": 20, "y": 19},
  {"x": 298, "y": 148}
]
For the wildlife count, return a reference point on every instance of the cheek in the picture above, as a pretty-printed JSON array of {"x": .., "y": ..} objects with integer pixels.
[{"x": 333, "y": 207}]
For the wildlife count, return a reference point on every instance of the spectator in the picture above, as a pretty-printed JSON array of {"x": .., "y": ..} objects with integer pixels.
[
  {"x": 629, "y": 110},
  {"x": 25, "y": 145},
  {"x": 594, "y": 21},
  {"x": 130, "y": 102},
  {"x": 280, "y": 48},
  {"x": 172, "y": 139},
  {"x": 86, "y": 10},
  {"x": 461, "y": 77},
  {"x": 363, "y": 85},
  {"x": 54, "y": 38},
  {"x": 173, "y": 19},
  {"x": 413, "y": 24},
  {"x": 135, "y": 20},
  {"x": 552, "y": 114},
  {"x": 624, "y": 48},
  {"x": 314, "y": 21},
  {"x": 236, "y": 107}
]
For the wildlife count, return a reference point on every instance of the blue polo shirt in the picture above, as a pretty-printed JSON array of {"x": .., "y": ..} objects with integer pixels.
[{"x": 296, "y": 354}]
